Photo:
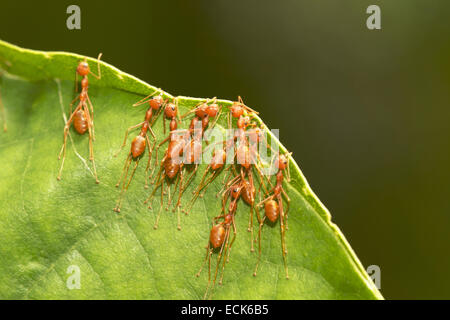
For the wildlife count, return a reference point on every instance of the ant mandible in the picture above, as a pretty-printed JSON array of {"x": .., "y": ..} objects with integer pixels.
[{"x": 82, "y": 117}]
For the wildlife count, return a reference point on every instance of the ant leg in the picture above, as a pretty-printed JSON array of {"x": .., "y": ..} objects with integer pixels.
[
  {"x": 92, "y": 117},
  {"x": 126, "y": 137},
  {"x": 209, "y": 274},
  {"x": 73, "y": 101},
  {"x": 180, "y": 189},
  {"x": 283, "y": 237},
  {"x": 155, "y": 226},
  {"x": 125, "y": 184},
  {"x": 208, "y": 182},
  {"x": 124, "y": 170},
  {"x": 222, "y": 251},
  {"x": 91, "y": 146},
  {"x": 158, "y": 181},
  {"x": 224, "y": 257},
  {"x": 99, "y": 76},
  {"x": 261, "y": 223},
  {"x": 216, "y": 119},
  {"x": 266, "y": 199},
  {"x": 184, "y": 187},
  {"x": 178, "y": 219},
  {"x": 193, "y": 110},
  {"x": 169, "y": 195},
  {"x": 288, "y": 200},
  {"x": 199, "y": 188},
  {"x": 208, "y": 254},
  {"x": 145, "y": 100},
  {"x": 150, "y": 151},
  {"x": 63, "y": 148}
]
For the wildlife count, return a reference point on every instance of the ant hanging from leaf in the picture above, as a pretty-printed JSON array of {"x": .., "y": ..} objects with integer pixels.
[
  {"x": 82, "y": 117},
  {"x": 171, "y": 164},
  {"x": 139, "y": 143},
  {"x": 219, "y": 237},
  {"x": 273, "y": 208}
]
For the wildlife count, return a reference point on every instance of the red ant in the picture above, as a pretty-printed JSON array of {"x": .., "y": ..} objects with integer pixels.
[
  {"x": 203, "y": 112},
  {"x": 138, "y": 144},
  {"x": 171, "y": 164},
  {"x": 273, "y": 207},
  {"x": 82, "y": 119},
  {"x": 219, "y": 237},
  {"x": 216, "y": 164}
]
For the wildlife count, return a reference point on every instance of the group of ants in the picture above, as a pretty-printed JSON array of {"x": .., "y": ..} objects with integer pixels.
[{"x": 184, "y": 148}]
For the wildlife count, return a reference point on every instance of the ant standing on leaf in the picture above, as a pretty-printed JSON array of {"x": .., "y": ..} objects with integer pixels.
[
  {"x": 82, "y": 117},
  {"x": 139, "y": 143},
  {"x": 273, "y": 208}
]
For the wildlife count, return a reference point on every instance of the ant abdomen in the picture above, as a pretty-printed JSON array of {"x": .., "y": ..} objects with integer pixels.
[
  {"x": 80, "y": 121},
  {"x": 138, "y": 146},
  {"x": 271, "y": 210},
  {"x": 248, "y": 193},
  {"x": 217, "y": 236},
  {"x": 171, "y": 168}
]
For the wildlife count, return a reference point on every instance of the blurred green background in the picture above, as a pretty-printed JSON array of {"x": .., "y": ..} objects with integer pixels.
[{"x": 366, "y": 113}]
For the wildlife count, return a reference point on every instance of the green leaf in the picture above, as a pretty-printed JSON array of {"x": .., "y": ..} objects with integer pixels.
[{"x": 48, "y": 225}]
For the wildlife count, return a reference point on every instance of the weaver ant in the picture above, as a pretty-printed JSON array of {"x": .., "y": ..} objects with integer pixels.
[
  {"x": 139, "y": 143},
  {"x": 171, "y": 164},
  {"x": 82, "y": 117},
  {"x": 219, "y": 237},
  {"x": 273, "y": 208}
]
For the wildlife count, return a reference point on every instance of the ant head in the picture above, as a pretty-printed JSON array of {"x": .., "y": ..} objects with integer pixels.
[
  {"x": 83, "y": 68},
  {"x": 282, "y": 162},
  {"x": 243, "y": 122},
  {"x": 212, "y": 110},
  {"x": 237, "y": 110},
  {"x": 201, "y": 111},
  {"x": 171, "y": 110},
  {"x": 156, "y": 102},
  {"x": 235, "y": 191}
]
